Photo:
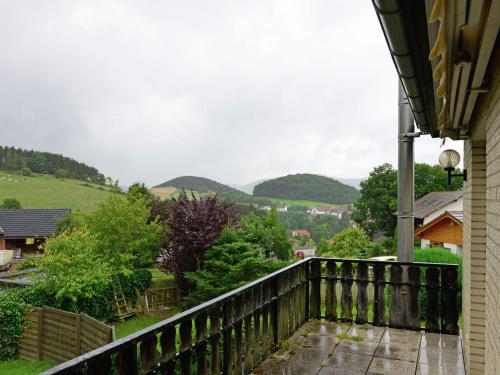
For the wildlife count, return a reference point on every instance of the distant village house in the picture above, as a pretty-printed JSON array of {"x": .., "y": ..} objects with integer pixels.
[
  {"x": 304, "y": 252},
  {"x": 326, "y": 210},
  {"x": 301, "y": 233},
  {"x": 444, "y": 231},
  {"x": 24, "y": 230}
]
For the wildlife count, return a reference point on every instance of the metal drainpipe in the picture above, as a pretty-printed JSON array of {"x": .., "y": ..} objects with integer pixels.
[
  {"x": 406, "y": 178},
  {"x": 406, "y": 194}
]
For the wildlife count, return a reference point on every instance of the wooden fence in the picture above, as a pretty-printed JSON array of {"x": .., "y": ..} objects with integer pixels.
[
  {"x": 162, "y": 294},
  {"x": 59, "y": 335}
]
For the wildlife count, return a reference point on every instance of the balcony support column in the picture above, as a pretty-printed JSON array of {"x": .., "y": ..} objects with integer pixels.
[{"x": 406, "y": 195}]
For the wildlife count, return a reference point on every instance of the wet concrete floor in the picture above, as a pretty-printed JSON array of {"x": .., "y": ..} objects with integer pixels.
[{"x": 321, "y": 347}]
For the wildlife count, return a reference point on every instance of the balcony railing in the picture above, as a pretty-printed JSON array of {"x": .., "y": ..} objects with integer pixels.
[{"x": 233, "y": 333}]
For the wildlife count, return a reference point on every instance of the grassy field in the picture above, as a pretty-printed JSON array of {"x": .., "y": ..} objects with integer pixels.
[
  {"x": 298, "y": 202},
  {"x": 23, "y": 367},
  {"x": 45, "y": 191}
]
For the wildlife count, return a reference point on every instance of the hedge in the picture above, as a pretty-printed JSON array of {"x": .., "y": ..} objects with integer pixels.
[{"x": 15, "y": 302}]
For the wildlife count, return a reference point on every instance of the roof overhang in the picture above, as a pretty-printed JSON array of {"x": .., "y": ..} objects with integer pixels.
[{"x": 441, "y": 50}]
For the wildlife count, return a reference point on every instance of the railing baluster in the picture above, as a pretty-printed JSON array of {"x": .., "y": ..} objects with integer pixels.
[
  {"x": 258, "y": 341},
  {"x": 449, "y": 292},
  {"x": 296, "y": 299},
  {"x": 168, "y": 350},
  {"x": 214, "y": 341},
  {"x": 186, "y": 329},
  {"x": 362, "y": 300},
  {"x": 379, "y": 293},
  {"x": 275, "y": 322},
  {"x": 413, "y": 297},
  {"x": 248, "y": 303},
  {"x": 432, "y": 280},
  {"x": 315, "y": 275},
  {"x": 346, "y": 281},
  {"x": 304, "y": 293},
  {"x": 227, "y": 324},
  {"x": 396, "y": 316},
  {"x": 201, "y": 351},
  {"x": 331, "y": 291},
  {"x": 101, "y": 366},
  {"x": 238, "y": 335},
  {"x": 148, "y": 353},
  {"x": 266, "y": 313},
  {"x": 127, "y": 360}
]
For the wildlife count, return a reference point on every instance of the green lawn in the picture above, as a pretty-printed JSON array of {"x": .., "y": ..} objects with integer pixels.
[
  {"x": 137, "y": 323},
  {"x": 298, "y": 202},
  {"x": 23, "y": 367},
  {"x": 45, "y": 191}
]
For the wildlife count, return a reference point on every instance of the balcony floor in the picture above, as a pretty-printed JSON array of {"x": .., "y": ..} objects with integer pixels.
[{"x": 322, "y": 347}]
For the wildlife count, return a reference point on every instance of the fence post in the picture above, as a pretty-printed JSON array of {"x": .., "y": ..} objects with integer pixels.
[
  {"x": 78, "y": 325},
  {"x": 40, "y": 333}
]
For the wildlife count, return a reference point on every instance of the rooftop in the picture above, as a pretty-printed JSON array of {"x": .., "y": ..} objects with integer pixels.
[
  {"x": 434, "y": 201},
  {"x": 32, "y": 222}
]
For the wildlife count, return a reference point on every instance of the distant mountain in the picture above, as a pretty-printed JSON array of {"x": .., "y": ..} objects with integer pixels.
[
  {"x": 248, "y": 188},
  {"x": 307, "y": 187},
  {"x": 200, "y": 184}
]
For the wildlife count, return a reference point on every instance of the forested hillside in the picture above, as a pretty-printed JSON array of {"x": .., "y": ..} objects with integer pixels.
[
  {"x": 206, "y": 185},
  {"x": 308, "y": 186},
  {"x": 27, "y": 161},
  {"x": 200, "y": 184}
]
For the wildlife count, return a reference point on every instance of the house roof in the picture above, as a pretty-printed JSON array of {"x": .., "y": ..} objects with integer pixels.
[
  {"x": 447, "y": 215},
  {"x": 323, "y": 208},
  {"x": 434, "y": 201},
  {"x": 301, "y": 232},
  {"x": 36, "y": 222}
]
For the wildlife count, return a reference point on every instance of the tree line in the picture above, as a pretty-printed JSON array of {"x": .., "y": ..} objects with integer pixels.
[{"x": 27, "y": 161}]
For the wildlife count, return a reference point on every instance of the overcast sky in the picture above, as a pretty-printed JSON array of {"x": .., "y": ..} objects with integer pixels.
[{"x": 231, "y": 90}]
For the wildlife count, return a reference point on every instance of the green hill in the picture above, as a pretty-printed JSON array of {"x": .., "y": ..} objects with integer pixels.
[
  {"x": 307, "y": 187},
  {"x": 46, "y": 191},
  {"x": 16, "y": 159},
  {"x": 201, "y": 184},
  {"x": 206, "y": 185}
]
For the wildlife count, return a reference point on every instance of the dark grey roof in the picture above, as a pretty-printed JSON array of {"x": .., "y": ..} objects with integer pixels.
[
  {"x": 432, "y": 202},
  {"x": 30, "y": 222},
  {"x": 459, "y": 215}
]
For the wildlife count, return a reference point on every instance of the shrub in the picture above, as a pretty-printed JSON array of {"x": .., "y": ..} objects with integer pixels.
[
  {"x": 350, "y": 243},
  {"x": 26, "y": 171},
  {"x": 12, "y": 322},
  {"x": 229, "y": 264},
  {"x": 61, "y": 173},
  {"x": 438, "y": 255},
  {"x": 11, "y": 204}
]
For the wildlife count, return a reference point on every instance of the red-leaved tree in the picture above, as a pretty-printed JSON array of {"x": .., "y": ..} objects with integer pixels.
[{"x": 194, "y": 224}]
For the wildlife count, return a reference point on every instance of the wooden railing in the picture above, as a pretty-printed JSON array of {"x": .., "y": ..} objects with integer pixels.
[{"x": 232, "y": 333}]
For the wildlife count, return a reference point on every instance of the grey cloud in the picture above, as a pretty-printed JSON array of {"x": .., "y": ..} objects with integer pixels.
[{"x": 231, "y": 90}]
